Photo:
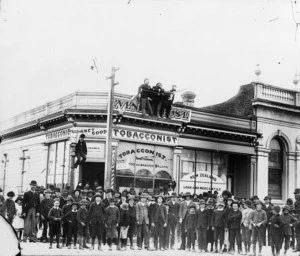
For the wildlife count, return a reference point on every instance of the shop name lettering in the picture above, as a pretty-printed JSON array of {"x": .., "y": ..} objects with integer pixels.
[
  {"x": 176, "y": 113},
  {"x": 58, "y": 134},
  {"x": 144, "y": 136},
  {"x": 142, "y": 150},
  {"x": 93, "y": 131},
  {"x": 202, "y": 188},
  {"x": 203, "y": 175}
]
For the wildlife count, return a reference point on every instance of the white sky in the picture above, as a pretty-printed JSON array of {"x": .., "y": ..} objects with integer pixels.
[{"x": 208, "y": 46}]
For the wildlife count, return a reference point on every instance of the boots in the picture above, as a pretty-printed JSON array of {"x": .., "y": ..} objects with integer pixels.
[
  {"x": 84, "y": 243},
  {"x": 99, "y": 245},
  {"x": 109, "y": 243},
  {"x": 273, "y": 250},
  {"x": 93, "y": 243},
  {"x": 80, "y": 243}
]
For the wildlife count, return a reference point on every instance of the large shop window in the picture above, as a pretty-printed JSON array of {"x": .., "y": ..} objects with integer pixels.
[
  {"x": 275, "y": 169},
  {"x": 58, "y": 164},
  {"x": 143, "y": 166},
  {"x": 203, "y": 171}
]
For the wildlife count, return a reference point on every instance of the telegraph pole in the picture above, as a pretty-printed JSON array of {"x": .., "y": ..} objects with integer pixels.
[{"x": 108, "y": 157}]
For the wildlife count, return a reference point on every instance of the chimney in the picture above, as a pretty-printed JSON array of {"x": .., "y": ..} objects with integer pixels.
[{"x": 188, "y": 98}]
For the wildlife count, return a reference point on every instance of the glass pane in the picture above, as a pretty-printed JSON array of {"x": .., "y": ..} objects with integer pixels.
[
  {"x": 144, "y": 173},
  {"x": 67, "y": 163},
  {"x": 275, "y": 145},
  {"x": 142, "y": 184},
  {"x": 275, "y": 181},
  {"x": 51, "y": 164},
  {"x": 124, "y": 183},
  {"x": 58, "y": 181},
  {"x": 60, "y": 158},
  {"x": 187, "y": 167},
  {"x": 220, "y": 170}
]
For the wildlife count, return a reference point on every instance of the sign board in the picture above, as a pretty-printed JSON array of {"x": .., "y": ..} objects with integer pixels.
[
  {"x": 95, "y": 150},
  {"x": 203, "y": 183},
  {"x": 178, "y": 114},
  {"x": 61, "y": 134}
]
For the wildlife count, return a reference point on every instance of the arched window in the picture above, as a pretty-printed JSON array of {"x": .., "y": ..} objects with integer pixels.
[{"x": 275, "y": 169}]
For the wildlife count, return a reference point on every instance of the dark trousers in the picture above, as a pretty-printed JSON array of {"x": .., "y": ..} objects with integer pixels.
[
  {"x": 146, "y": 104},
  {"x": 45, "y": 227},
  {"x": 159, "y": 234},
  {"x": 257, "y": 235},
  {"x": 156, "y": 105},
  {"x": 202, "y": 238},
  {"x": 30, "y": 224},
  {"x": 286, "y": 239},
  {"x": 276, "y": 240},
  {"x": 131, "y": 232},
  {"x": 143, "y": 232},
  {"x": 190, "y": 234},
  {"x": 65, "y": 231},
  {"x": 167, "y": 236},
  {"x": 55, "y": 231},
  {"x": 96, "y": 230},
  {"x": 81, "y": 158},
  {"x": 297, "y": 234},
  {"x": 72, "y": 232},
  {"x": 246, "y": 237},
  {"x": 235, "y": 235},
  {"x": 219, "y": 234},
  {"x": 183, "y": 235}
]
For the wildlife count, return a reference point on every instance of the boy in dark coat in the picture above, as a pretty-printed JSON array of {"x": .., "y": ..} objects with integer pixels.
[
  {"x": 46, "y": 205},
  {"x": 112, "y": 219},
  {"x": 124, "y": 225},
  {"x": 219, "y": 223},
  {"x": 159, "y": 221},
  {"x": 190, "y": 226},
  {"x": 174, "y": 207},
  {"x": 82, "y": 220},
  {"x": 210, "y": 233},
  {"x": 97, "y": 217},
  {"x": 275, "y": 231},
  {"x": 65, "y": 209},
  {"x": 202, "y": 226},
  {"x": 234, "y": 226},
  {"x": 9, "y": 206},
  {"x": 288, "y": 220},
  {"x": 71, "y": 219},
  {"x": 132, "y": 220},
  {"x": 55, "y": 216}
]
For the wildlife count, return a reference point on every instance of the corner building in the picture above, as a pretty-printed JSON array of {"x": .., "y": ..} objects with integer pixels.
[{"x": 248, "y": 145}]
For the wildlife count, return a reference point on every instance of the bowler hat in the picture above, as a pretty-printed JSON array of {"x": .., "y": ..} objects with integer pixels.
[
  {"x": 83, "y": 202},
  {"x": 267, "y": 198},
  {"x": 98, "y": 195},
  {"x": 109, "y": 190},
  {"x": 124, "y": 206},
  {"x": 75, "y": 203},
  {"x": 11, "y": 194},
  {"x": 47, "y": 191},
  {"x": 33, "y": 183},
  {"x": 297, "y": 191},
  {"x": 90, "y": 191},
  {"x": 19, "y": 198},
  {"x": 187, "y": 194},
  {"x": 255, "y": 197},
  {"x": 159, "y": 196},
  {"x": 276, "y": 208},
  {"x": 227, "y": 193},
  {"x": 174, "y": 194},
  {"x": 82, "y": 135},
  {"x": 77, "y": 189},
  {"x": 202, "y": 201},
  {"x": 69, "y": 198}
]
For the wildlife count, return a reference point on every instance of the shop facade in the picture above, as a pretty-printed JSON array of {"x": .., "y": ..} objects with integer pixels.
[{"x": 234, "y": 146}]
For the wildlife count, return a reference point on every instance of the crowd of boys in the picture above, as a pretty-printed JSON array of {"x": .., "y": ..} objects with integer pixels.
[{"x": 205, "y": 222}]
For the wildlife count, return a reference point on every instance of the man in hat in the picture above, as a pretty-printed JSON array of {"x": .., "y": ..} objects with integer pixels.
[
  {"x": 46, "y": 205},
  {"x": 276, "y": 231},
  {"x": 31, "y": 210},
  {"x": 258, "y": 218},
  {"x": 71, "y": 219},
  {"x": 142, "y": 220},
  {"x": 63, "y": 199},
  {"x": 9, "y": 207},
  {"x": 55, "y": 216},
  {"x": 112, "y": 220},
  {"x": 144, "y": 92},
  {"x": 65, "y": 209},
  {"x": 174, "y": 208},
  {"x": 182, "y": 215},
  {"x": 268, "y": 208},
  {"x": 80, "y": 151},
  {"x": 132, "y": 220},
  {"x": 82, "y": 219},
  {"x": 90, "y": 195},
  {"x": 159, "y": 221},
  {"x": 219, "y": 224},
  {"x": 157, "y": 98},
  {"x": 167, "y": 101},
  {"x": 202, "y": 223},
  {"x": 96, "y": 218}
]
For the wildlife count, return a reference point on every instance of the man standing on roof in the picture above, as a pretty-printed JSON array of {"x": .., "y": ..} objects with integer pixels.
[{"x": 144, "y": 92}]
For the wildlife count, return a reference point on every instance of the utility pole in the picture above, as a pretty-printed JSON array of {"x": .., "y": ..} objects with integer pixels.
[{"x": 109, "y": 174}]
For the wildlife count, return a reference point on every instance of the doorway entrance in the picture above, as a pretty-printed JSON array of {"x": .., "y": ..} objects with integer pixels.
[{"x": 92, "y": 171}]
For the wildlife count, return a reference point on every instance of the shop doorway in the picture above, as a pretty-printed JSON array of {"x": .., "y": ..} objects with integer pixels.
[{"x": 92, "y": 171}]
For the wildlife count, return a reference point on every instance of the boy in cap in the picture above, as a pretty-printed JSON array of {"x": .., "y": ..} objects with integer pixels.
[
  {"x": 219, "y": 224},
  {"x": 80, "y": 151},
  {"x": 174, "y": 207},
  {"x": 96, "y": 217},
  {"x": 267, "y": 207},
  {"x": 71, "y": 219},
  {"x": 159, "y": 221},
  {"x": 46, "y": 205},
  {"x": 210, "y": 233},
  {"x": 124, "y": 225},
  {"x": 202, "y": 225},
  {"x": 275, "y": 231},
  {"x": 258, "y": 218},
  {"x": 190, "y": 226},
  {"x": 288, "y": 221},
  {"x": 65, "y": 209},
  {"x": 9, "y": 207},
  {"x": 82, "y": 220},
  {"x": 112, "y": 219},
  {"x": 246, "y": 226},
  {"x": 55, "y": 215},
  {"x": 234, "y": 226},
  {"x": 132, "y": 220}
]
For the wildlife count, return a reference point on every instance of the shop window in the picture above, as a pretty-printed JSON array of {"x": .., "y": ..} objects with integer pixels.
[
  {"x": 25, "y": 164},
  {"x": 58, "y": 163},
  {"x": 143, "y": 167},
  {"x": 203, "y": 171},
  {"x": 275, "y": 169}
]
